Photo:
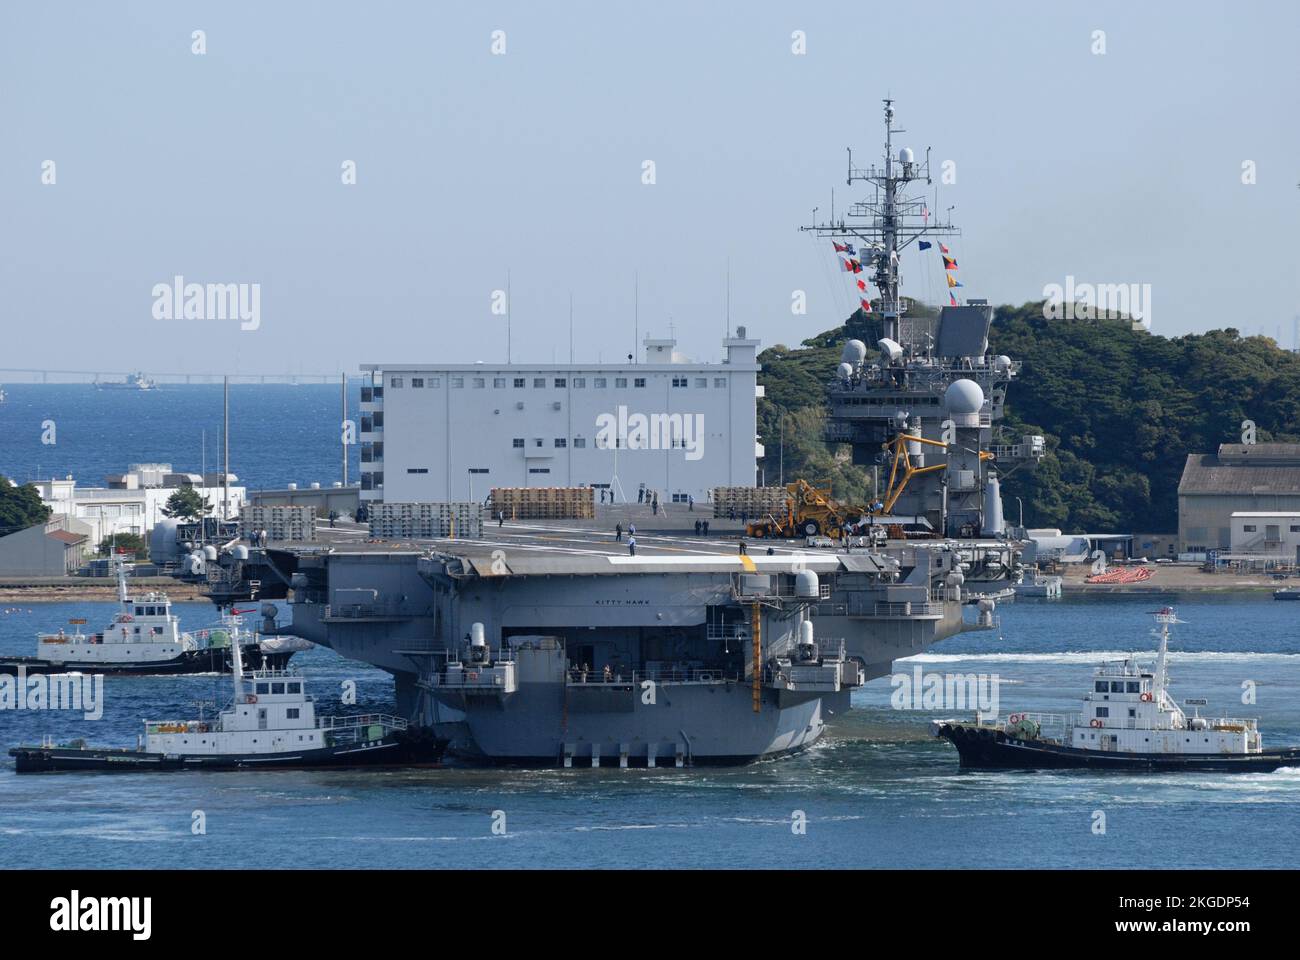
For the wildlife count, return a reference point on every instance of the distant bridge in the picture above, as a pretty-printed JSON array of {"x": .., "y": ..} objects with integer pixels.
[{"x": 32, "y": 375}]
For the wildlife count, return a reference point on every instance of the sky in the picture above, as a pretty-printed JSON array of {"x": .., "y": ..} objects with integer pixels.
[{"x": 473, "y": 164}]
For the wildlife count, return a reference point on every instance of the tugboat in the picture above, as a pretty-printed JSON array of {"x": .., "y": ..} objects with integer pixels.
[
  {"x": 271, "y": 722},
  {"x": 1130, "y": 722},
  {"x": 144, "y": 637}
]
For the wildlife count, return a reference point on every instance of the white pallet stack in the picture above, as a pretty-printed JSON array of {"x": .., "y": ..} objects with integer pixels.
[
  {"x": 399, "y": 521},
  {"x": 295, "y": 524}
]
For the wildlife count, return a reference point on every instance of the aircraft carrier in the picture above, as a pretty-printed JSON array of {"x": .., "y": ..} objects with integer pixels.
[{"x": 547, "y": 642}]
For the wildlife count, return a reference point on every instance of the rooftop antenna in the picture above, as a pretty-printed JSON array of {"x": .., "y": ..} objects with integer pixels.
[
  {"x": 509, "y": 306},
  {"x": 570, "y": 327},
  {"x": 225, "y": 439},
  {"x": 343, "y": 400},
  {"x": 636, "y": 309},
  {"x": 726, "y": 330}
]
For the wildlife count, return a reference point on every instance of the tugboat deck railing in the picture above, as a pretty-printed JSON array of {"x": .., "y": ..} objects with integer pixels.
[{"x": 364, "y": 720}]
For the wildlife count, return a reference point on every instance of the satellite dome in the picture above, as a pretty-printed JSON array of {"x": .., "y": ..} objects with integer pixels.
[
  {"x": 963, "y": 400},
  {"x": 905, "y": 155},
  {"x": 845, "y": 371},
  {"x": 1001, "y": 363},
  {"x": 855, "y": 351},
  {"x": 892, "y": 349}
]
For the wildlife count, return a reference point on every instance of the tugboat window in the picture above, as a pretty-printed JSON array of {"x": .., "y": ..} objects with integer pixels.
[
  {"x": 1117, "y": 686},
  {"x": 1133, "y": 686},
  {"x": 1103, "y": 711},
  {"x": 277, "y": 688},
  {"x": 1100, "y": 686},
  {"x": 263, "y": 688}
]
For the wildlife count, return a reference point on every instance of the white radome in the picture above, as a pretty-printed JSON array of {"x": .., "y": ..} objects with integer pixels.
[{"x": 963, "y": 397}]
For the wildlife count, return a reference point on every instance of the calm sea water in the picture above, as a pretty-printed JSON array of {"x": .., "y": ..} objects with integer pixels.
[
  {"x": 278, "y": 433},
  {"x": 877, "y": 792}
]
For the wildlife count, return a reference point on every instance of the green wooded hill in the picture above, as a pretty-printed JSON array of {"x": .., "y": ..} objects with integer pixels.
[{"x": 1120, "y": 408}]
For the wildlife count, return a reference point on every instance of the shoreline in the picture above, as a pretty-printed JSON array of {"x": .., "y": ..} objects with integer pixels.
[{"x": 75, "y": 589}]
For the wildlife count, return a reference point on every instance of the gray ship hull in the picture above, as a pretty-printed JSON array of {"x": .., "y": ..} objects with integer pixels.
[
  {"x": 602, "y": 725},
  {"x": 595, "y": 657}
]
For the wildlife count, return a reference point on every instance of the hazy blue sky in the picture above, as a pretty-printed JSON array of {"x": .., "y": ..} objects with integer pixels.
[{"x": 226, "y": 167}]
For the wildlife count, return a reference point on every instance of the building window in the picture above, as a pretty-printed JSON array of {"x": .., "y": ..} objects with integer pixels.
[
  {"x": 678, "y": 382},
  {"x": 539, "y": 469},
  {"x": 579, "y": 383},
  {"x": 561, "y": 443},
  {"x": 519, "y": 382},
  {"x": 720, "y": 382},
  {"x": 395, "y": 382},
  {"x": 479, "y": 383},
  {"x": 417, "y": 382},
  {"x": 702, "y": 382},
  {"x": 639, "y": 382},
  {"x": 1295, "y": 528},
  {"x": 537, "y": 441},
  {"x": 599, "y": 383},
  {"x": 291, "y": 713},
  {"x": 457, "y": 382},
  {"x": 579, "y": 443},
  {"x": 620, "y": 382},
  {"x": 517, "y": 443},
  {"x": 435, "y": 381},
  {"x": 417, "y": 469},
  {"x": 498, "y": 382},
  {"x": 539, "y": 381},
  {"x": 1249, "y": 528},
  {"x": 561, "y": 382}
]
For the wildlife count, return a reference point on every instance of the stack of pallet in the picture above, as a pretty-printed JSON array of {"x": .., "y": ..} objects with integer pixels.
[
  {"x": 281, "y": 523},
  {"x": 543, "y": 503},
  {"x": 395, "y": 521},
  {"x": 748, "y": 501}
]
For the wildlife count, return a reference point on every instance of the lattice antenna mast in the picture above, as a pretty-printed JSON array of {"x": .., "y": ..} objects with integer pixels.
[{"x": 890, "y": 222}]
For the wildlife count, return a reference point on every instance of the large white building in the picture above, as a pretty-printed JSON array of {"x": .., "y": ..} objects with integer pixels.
[
  {"x": 450, "y": 432},
  {"x": 132, "y": 502}
]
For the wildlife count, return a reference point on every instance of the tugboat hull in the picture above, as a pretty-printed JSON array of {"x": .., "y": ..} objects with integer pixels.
[
  {"x": 405, "y": 748},
  {"x": 212, "y": 660},
  {"x": 986, "y": 748}
]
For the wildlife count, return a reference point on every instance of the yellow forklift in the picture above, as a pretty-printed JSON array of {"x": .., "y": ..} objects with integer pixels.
[{"x": 809, "y": 512}]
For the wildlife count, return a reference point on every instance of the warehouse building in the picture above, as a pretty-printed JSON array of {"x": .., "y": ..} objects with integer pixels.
[
  {"x": 1262, "y": 478},
  {"x": 451, "y": 432},
  {"x": 54, "y": 548}
]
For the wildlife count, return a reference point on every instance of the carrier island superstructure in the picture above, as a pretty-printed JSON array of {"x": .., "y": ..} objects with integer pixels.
[
  {"x": 921, "y": 406},
  {"x": 550, "y": 642}
]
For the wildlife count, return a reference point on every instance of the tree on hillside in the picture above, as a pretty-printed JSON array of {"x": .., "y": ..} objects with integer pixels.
[
  {"x": 1121, "y": 409},
  {"x": 131, "y": 543},
  {"x": 20, "y": 507},
  {"x": 186, "y": 504}
]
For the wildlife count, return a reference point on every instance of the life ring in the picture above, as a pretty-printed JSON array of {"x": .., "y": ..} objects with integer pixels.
[
  {"x": 1097, "y": 723},
  {"x": 471, "y": 676},
  {"x": 1145, "y": 698},
  {"x": 1015, "y": 718}
]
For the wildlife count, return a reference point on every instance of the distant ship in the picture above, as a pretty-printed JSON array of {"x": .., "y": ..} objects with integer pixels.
[
  {"x": 136, "y": 381},
  {"x": 271, "y": 722},
  {"x": 145, "y": 638},
  {"x": 1129, "y": 722}
]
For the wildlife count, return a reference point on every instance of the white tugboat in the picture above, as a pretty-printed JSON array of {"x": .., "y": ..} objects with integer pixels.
[
  {"x": 1129, "y": 722},
  {"x": 144, "y": 637},
  {"x": 271, "y": 722}
]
